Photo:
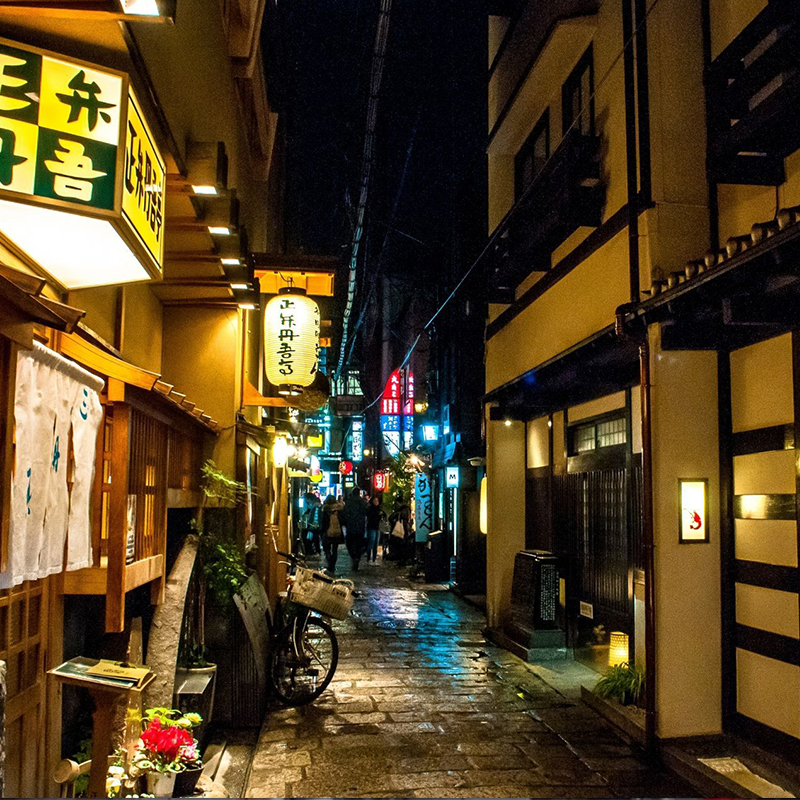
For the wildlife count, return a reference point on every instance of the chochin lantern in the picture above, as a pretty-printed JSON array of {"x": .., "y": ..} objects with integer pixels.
[{"x": 291, "y": 341}]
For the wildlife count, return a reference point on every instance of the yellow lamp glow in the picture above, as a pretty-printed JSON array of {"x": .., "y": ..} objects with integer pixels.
[
  {"x": 291, "y": 341},
  {"x": 484, "y": 509},
  {"x": 618, "y": 649},
  {"x": 280, "y": 452}
]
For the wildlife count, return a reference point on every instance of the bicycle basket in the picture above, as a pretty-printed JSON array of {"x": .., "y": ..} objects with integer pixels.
[{"x": 315, "y": 590}]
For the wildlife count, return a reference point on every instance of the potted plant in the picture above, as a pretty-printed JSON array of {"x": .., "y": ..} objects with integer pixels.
[
  {"x": 623, "y": 683},
  {"x": 167, "y": 749}
]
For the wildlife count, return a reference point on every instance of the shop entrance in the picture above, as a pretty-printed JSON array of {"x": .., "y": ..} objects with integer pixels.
[{"x": 597, "y": 528}]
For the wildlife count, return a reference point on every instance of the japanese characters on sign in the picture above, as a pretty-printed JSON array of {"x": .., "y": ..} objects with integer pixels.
[
  {"x": 143, "y": 183},
  {"x": 357, "y": 440},
  {"x": 291, "y": 338},
  {"x": 59, "y": 128},
  {"x": 63, "y": 126}
]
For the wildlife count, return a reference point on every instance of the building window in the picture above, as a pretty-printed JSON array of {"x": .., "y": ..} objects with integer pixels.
[
  {"x": 577, "y": 101},
  {"x": 592, "y": 436},
  {"x": 533, "y": 155}
]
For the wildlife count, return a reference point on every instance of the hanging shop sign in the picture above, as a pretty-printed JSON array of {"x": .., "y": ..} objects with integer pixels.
[
  {"x": 423, "y": 506},
  {"x": 357, "y": 440},
  {"x": 451, "y": 477},
  {"x": 82, "y": 181},
  {"x": 314, "y": 441},
  {"x": 346, "y": 467},
  {"x": 291, "y": 341},
  {"x": 694, "y": 510},
  {"x": 380, "y": 481}
]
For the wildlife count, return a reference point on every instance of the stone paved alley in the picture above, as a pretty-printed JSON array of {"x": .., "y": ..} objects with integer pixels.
[{"x": 422, "y": 706}]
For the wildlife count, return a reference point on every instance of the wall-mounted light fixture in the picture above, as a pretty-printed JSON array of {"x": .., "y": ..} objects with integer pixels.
[
  {"x": 280, "y": 452},
  {"x": 207, "y": 167},
  {"x": 484, "y": 508},
  {"x": 693, "y": 494}
]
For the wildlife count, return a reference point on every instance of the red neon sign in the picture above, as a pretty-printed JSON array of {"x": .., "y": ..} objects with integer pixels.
[
  {"x": 346, "y": 467},
  {"x": 390, "y": 403}
]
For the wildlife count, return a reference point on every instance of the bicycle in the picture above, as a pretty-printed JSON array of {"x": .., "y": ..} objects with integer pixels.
[{"x": 305, "y": 651}]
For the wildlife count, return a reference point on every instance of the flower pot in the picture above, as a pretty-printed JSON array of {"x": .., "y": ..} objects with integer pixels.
[
  {"x": 194, "y": 691},
  {"x": 186, "y": 781},
  {"x": 161, "y": 784}
]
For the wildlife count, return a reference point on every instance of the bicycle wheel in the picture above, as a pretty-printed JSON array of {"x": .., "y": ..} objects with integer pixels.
[{"x": 301, "y": 673}]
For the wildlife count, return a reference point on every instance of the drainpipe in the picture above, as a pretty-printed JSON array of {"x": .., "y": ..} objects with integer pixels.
[{"x": 640, "y": 338}]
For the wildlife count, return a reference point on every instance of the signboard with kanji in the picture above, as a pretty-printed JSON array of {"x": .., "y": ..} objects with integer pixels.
[{"x": 74, "y": 139}]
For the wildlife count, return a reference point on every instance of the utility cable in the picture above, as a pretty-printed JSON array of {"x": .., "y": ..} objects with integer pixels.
[
  {"x": 368, "y": 157},
  {"x": 389, "y": 229},
  {"x": 528, "y": 191}
]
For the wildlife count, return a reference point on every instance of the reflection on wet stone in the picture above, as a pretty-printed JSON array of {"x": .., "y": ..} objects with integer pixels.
[{"x": 423, "y": 706}]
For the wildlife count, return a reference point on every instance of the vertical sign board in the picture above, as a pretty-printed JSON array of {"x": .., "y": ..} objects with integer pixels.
[
  {"x": 73, "y": 139},
  {"x": 143, "y": 184},
  {"x": 451, "y": 477},
  {"x": 357, "y": 440},
  {"x": 694, "y": 510},
  {"x": 390, "y": 414},
  {"x": 423, "y": 494}
]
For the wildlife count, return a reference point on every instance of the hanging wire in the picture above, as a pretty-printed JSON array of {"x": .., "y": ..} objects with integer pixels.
[
  {"x": 525, "y": 194},
  {"x": 376, "y": 76}
]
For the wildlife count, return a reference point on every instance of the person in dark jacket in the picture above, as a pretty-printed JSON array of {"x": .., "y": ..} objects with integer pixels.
[
  {"x": 374, "y": 515},
  {"x": 331, "y": 530},
  {"x": 355, "y": 522},
  {"x": 399, "y": 546}
]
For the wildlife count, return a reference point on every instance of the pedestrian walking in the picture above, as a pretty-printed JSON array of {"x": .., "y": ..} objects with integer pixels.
[
  {"x": 313, "y": 521},
  {"x": 332, "y": 531},
  {"x": 375, "y": 514},
  {"x": 354, "y": 516},
  {"x": 401, "y": 530}
]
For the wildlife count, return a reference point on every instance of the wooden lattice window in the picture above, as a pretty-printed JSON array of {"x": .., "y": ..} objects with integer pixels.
[
  {"x": 22, "y": 646},
  {"x": 147, "y": 479},
  {"x": 184, "y": 461}
]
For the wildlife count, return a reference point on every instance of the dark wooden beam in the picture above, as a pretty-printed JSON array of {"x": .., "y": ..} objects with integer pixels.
[{"x": 761, "y": 310}]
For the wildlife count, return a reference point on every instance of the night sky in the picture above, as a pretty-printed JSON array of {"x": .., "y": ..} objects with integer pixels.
[{"x": 432, "y": 103}]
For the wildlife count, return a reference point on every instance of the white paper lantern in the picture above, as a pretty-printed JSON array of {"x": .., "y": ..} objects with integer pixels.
[{"x": 291, "y": 341}]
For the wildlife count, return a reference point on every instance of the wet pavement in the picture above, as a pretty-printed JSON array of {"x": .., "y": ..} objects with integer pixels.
[{"x": 422, "y": 706}]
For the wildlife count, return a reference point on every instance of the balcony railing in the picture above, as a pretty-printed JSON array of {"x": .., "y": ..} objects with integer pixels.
[
  {"x": 566, "y": 195},
  {"x": 753, "y": 91}
]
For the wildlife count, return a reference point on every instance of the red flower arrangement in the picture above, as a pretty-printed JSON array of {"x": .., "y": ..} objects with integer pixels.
[
  {"x": 166, "y": 748},
  {"x": 167, "y": 742}
]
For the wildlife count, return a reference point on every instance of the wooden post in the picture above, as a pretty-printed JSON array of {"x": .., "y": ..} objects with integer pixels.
[
  {"x": 118, "y": 520},
  {"x": 105, "y": 702},
  {"x": 8, "y": 373}
]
